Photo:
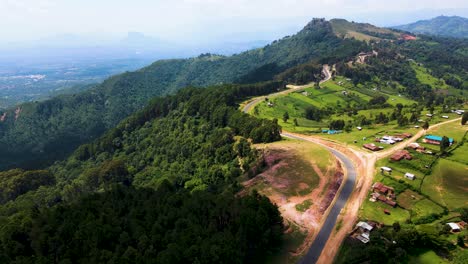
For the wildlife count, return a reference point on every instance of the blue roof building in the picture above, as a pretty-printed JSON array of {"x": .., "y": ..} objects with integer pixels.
[{"x": 435, "y": 139}]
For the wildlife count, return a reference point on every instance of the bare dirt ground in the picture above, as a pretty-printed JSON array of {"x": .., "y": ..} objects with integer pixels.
[{"x": 290, "y": 179}]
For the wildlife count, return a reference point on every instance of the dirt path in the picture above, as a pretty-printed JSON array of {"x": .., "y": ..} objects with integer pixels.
[
  {"x": 365, "y": 166},
  {"x": 291, "y": 88}
]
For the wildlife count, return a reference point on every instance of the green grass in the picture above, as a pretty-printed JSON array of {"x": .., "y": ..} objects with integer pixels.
[
  {"x": 427, "y": 257},
  {"x": 425, "y": 207},
  {"x": 424, "y": 76},
  {"x": 302, "y": 207},
  {"x": 375, "y": 211},
  {"x": 448, "y": 184}
]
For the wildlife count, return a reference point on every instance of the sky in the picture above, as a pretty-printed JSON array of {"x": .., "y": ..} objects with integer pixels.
[{"x": 195, "y": 20}]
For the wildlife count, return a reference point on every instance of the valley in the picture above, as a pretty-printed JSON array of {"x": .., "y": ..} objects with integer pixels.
[
  {"x": 342, "y": 143},
  {"x": 295, "y": 99}
]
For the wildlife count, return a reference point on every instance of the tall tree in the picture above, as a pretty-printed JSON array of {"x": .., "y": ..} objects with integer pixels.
[
  {"x": 444, "y": 144},
  {"x": 464, "y": 118},
  {"x": 285, "y": 116}
]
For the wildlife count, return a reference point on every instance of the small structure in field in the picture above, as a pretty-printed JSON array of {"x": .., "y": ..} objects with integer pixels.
[
  {"x": 410, "y": 176},
  {"x": 386, "y": 211},
  {"x": 446, "y": 117},
  {"x": 435, "y": 140},
  {"x": 417, "y": 147},
  {"x": 363, "y": 230},
  {"x": 454, "y": 227},
  {"x": 400, "y": 154},
  {"x": 364, "y": 226},
  {"x": 359, "y": 128},
  {"x": 333, "y": 132},
  {"x": 386, "y": 169},
  {"x": 387, "y": 141},
  {"x": 372, "y": 147},
  {"x": 404, "y": 135}
]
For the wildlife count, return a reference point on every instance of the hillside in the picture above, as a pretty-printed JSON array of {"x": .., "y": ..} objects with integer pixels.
[
  {"x": 50, "y": 130},
  {"x": 447, "y": 26},
  {"x": 159, "y": 187}
]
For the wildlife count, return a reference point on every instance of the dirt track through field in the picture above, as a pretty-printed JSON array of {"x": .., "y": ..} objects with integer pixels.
[{"x": 364, "y": 165}]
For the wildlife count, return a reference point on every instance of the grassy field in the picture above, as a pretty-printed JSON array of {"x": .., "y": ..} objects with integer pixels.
[
  {"x": 293, "y": 172},
  {"x": 375, "y": 211},
  {"x": 302, "y": 207},
  {"x": 448, "y": 184},
  {"x": 427, "y": 257},
  {"x": 424, "y": 76}
]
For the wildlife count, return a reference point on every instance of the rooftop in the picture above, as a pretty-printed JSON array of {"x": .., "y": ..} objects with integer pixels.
[{"x": 437, "y": 138}]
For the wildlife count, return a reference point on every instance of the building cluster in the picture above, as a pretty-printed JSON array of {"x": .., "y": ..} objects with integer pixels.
[
  {"x": 401, "y": 154},
  {"x": 363, "y": 230},
  {"x": 372, "y": 147},
  {"x": 458, "y": 112},
  {"x": 383, "y": 193},
  {"x": 393, "y": 139}
]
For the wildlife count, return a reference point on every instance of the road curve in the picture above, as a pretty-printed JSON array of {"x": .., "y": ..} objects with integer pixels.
[
  {"x": 292, "y": 88},
  {"x": 329, "y": 224}
]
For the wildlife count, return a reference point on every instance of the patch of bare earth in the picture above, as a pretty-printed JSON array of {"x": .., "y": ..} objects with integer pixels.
[{"x": 288, "y": 186}]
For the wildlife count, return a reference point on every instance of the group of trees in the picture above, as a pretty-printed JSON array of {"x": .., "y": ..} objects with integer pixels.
[
  {"x": 52, "y": 129},
  {"x": 129, "y": 225},
  {"x": 408, "y": 240},
  {"x": 158, "y": 187}
]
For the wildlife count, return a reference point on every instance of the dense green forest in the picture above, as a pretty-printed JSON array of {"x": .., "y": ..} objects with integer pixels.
[
  {"x": 49, "y": 130},
  {"x": 159, "y": 187}
]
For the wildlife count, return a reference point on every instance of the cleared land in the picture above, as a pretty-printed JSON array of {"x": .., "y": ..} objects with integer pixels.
[{"x": 300, "y": 178}]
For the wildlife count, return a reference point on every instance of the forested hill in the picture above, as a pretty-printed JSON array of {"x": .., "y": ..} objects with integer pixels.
[
  {"x": 158, "y": 188},
  {"x": 447, "y": 26},
  {"x": 50, "y": 130}
]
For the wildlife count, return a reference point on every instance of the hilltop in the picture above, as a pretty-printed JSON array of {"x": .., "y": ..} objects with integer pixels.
[
  {"x": 447, "y": 26},
  {"x": 361, "y": 31}
]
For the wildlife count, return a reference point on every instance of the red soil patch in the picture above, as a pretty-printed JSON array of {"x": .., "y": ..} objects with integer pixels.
[{"x": 279, "y": 177}]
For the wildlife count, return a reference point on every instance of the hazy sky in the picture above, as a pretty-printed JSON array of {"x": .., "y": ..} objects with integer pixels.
[{"x": 194, "y": 19}]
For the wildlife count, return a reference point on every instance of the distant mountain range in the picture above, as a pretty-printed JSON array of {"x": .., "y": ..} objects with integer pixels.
[{"x": 447, "y": 26}]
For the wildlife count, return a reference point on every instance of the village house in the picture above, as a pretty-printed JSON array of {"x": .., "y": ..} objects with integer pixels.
[
  {"x": 404, "y": 135},
  {"x": 435, "y": 140},
  {"x": 363, "y": 229},
  {"x": 379, "y": 187},
  {"x": 387, "y": 141},
  {"x": 454, "y": 227},
  {"x": 410, "y": 176},
  {"x": 416, "y": 146},
  {"x": 400, "y": 154},
  {"x": 386, "y": 169},
  {"x": 372, "y": 147}
]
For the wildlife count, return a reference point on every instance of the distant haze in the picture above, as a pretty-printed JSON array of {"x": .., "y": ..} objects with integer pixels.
[{"x": 90, "y": 22}]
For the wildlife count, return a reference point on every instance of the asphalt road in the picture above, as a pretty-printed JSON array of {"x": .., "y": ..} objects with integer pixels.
[{"x": 328, "y": 226}]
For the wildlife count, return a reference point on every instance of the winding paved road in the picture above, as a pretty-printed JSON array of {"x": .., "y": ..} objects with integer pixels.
[
  {"x": 366, "y": 159},
  {"x": 292, "y": 88},
  {"x": 328, "y": 226}
]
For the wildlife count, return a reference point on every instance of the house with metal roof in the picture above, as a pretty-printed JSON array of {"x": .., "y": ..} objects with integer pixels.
[{"x": 435, "y": 140}]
